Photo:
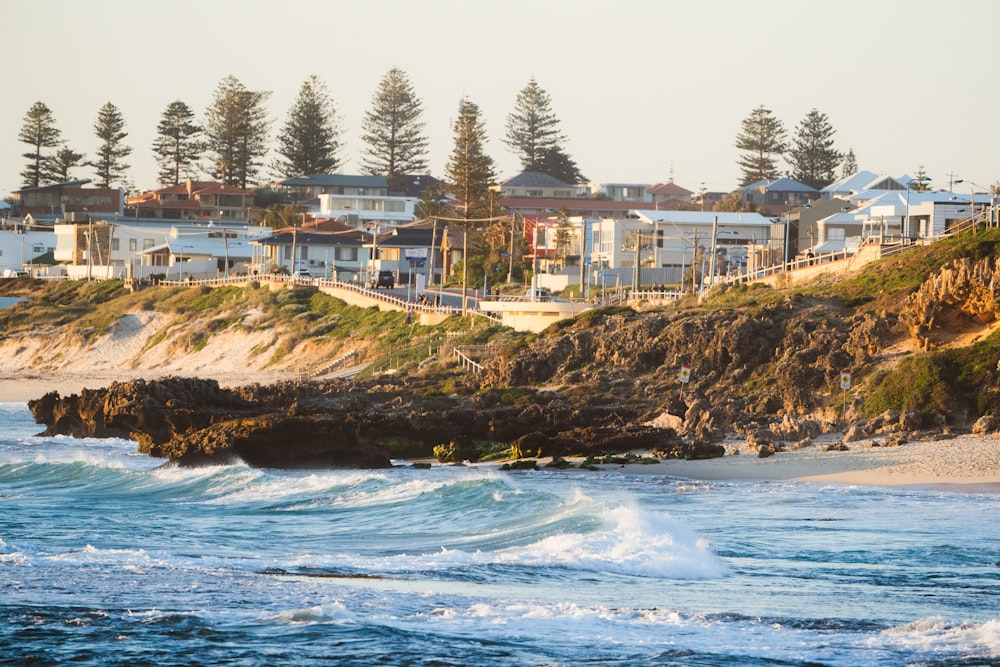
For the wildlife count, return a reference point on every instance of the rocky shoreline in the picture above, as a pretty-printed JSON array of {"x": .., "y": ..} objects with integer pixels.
[{"x": 341, "y": 424}]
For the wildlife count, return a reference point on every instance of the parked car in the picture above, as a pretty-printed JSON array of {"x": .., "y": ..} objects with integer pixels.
[{"x": 385, "y": 279}]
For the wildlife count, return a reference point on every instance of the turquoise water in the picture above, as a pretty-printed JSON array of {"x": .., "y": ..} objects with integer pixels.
[{"x": 108, "y": 557}]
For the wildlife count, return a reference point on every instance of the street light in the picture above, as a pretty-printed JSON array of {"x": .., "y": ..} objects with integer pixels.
[
  {"x": 972, "y": 199},
  {"x": 906, "y": 226}
]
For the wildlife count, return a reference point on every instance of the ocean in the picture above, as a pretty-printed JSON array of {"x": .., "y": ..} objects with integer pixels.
[{"x": 109, "y": 557}]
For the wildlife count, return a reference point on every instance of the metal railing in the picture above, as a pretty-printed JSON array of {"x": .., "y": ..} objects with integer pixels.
[
  {"x": 469, "y": 356},
  {"x": 369, "y": 292}
]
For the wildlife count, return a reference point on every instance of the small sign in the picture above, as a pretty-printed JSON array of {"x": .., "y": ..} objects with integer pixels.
[
  {"x": 845, "y": 379},
  {"x": 685, "y": 373}
]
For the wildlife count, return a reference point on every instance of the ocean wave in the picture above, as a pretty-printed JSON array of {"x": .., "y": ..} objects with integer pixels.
[
  {"x": 621, "y": 540},
  {"x": 936, "y": 635}
]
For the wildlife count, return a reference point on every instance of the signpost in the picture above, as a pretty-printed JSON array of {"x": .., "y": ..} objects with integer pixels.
[
  {"x": 845, "y": 384},
  {"x": 685, "y": 377}
]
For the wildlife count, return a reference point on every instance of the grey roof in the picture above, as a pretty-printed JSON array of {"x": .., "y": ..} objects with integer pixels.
[
  {"x": 408, "y": 237},
  {"x": 535, "y": 179},
  {"x": 338, "y": 180},
  {"x": 783, "y": 184},
  {"x": 702, "y": 217},
  {"x": 864, "y": 180},
  {"x": 790, "y": 185},
  {"x": 349, "y": 237},
  {"x": 412, "y": 185}
]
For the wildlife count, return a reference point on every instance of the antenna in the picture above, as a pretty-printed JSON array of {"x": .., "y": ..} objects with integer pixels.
[{"x": 951, "y": 180}]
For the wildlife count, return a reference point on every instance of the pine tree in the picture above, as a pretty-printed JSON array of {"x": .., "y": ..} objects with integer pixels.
[
  {"x": 393, "y": 132},
  {"x": 433, "y": 203},
  {"x": 812, "y": 157},
  {"x": 558, "y": 164},
  {"x": 533, "y": 135},
  {"x": 850, "y": 164},
  {"x": 470, "y": 172},
  {"x": 762, "y": 137},
  {"x": 179, "y": 144},
  {"x": 920, "y": 182},
  {"x": 56, "y": 167},
  {"x": 310, "y": 139},
  {"x": 110, "y": 166},
  {"x": 236, "y": 128},
  {"x": 38, "y": 131}
]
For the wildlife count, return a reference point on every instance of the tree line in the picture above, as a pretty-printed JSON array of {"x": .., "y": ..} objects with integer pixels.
[
  {"x": 230, "y": 143},
  {"x": 810, "y": 154}
]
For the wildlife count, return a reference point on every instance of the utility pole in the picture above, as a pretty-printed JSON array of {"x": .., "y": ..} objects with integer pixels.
[
  {"x": 715, "y": 235},
  {"x": 510, "y": 266}
]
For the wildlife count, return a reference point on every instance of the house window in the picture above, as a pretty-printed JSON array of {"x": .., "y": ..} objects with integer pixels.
[
  {"x": 534, "y": 193},
  {"x": 133, "y": 245},
  {"x": 115, "y": 244},
  {"x": 395, "y": 206},
  {"x": 147, "y": 244},
  {"x": 347, "y": 254},
  {"x": 835, "y": 234}
]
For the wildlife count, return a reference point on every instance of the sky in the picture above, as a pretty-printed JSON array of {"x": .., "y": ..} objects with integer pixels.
[{"x": 646, "y": 91}]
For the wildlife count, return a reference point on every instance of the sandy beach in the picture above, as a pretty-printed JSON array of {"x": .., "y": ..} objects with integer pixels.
[
  {"x": 23, "y": 386},
  {"x": 968, "y": 463}
]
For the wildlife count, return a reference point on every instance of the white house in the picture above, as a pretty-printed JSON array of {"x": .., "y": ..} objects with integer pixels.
[
  {"x": 651, "y": 247},
  {"x": 355, "y": 200},
  {"x": 126, "y": 247},
  {"x": 20, "y": 244},
  {"x": 893, "y": 214}
]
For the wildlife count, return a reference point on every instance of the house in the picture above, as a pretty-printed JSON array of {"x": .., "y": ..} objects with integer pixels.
[
  {"x": 418, "y": 253},
  {"x": 889, "y": 215},
  {"x": 355, "y": 200},
  {"x": 61, "y": 199},
  {"x": 194, "y": 200},
  {"x": 669, "y": 195},
  {"x": 777, "y": 196},
  {"x": 536, "y": 185},
  {"x": 304, "y": 188},
  {"x": 324, "y": 248},
  {"x": 808, "y": 226},
  {"x": 412, "y": 185},
  {"x": 22, "y": 244},
  {"x": 557, "y": 249},
  {"x": 126, "y": 247},
  {"x": 628, "y": 192},
  {"x": 660, "y": 246}
]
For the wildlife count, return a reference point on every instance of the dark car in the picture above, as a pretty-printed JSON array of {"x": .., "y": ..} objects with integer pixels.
[{"x": 385, "y": 279}]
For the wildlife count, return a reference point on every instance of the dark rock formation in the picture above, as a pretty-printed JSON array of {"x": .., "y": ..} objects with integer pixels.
[
  {"x": 194, "y": 422},
  {"x": 340, "y": 424}
]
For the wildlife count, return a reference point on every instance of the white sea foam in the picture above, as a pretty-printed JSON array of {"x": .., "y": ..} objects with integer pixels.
[
  {"x": 636, "y": 542},
  {"x": 91, "y": 555},
  {"x": 330, "y": 612},
  {"x": 936, "y": 634}
]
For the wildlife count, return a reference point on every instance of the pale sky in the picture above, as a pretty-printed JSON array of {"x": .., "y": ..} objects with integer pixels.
[{"x": 644, "y": 89}]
